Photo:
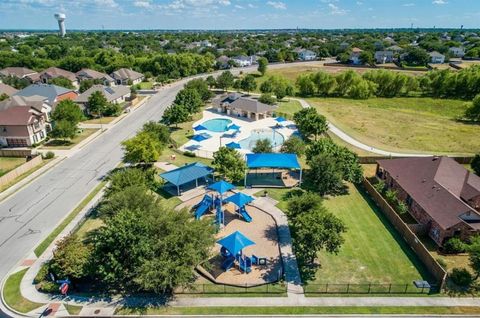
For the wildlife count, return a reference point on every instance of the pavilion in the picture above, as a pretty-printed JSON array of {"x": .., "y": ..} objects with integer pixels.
[
  {"x": 187, "y": 174},
  {"x": 273, "y": 170}
]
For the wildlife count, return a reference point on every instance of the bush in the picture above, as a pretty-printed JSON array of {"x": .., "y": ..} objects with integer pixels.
[
  {"x": 401, "y": 207},
  {"x": 391, "y": 196},
  {"x": 189, "y": 154},
  {"x": 442, "y": 263},
  {"x": 267, "y": 99},
  {"x": 379, "y": 186},
  {"x": 454, "y": 246},
  {"x": 42, "y": 274},
  {"x": 461, "y": 277},
  {"x": 48, "y": 155},
  {"x": 48, "y": 287}
]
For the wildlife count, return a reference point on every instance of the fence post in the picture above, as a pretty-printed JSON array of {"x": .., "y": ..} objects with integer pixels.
[
  {"x": 267, "y": 288},
  {"x": 369, "y": 287},
  {"x": 203, "y": 288},
  {"x": 406, "y": 288},
  {"x": 224, "y": 289},
  {"x": 390, "y": 289},
  {"x": 326, "y": 288},
  {"x": 348, "y": 287},
  {"x": 246, "y": 288}
]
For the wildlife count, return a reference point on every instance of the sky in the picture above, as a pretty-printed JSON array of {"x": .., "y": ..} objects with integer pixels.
[{"x": 239, "y": 14}]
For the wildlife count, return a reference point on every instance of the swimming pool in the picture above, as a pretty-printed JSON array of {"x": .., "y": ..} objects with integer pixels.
[
  {"x": 275, "y": 138},
  {"x": 217, "y": 124}
]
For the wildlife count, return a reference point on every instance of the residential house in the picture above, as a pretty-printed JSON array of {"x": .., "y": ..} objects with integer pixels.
[
  {"x": 18, "y": 72},
  {"x": 236, "y": 104},
  {"x": 436, "y": 58},
  {"x": 457, "y": 51},
  {"x": 38, "y": 102},
  {"x": 441, "y": 194},
  {"x": 344, "y": 46},
  {"x": 88, "y": 74},
  {"x": 223, "y": 62},
  {"x": 382, "y": 57},
  {"x": 242, "y": 60},
  {"x": 307, "y": 55},
  {"x": 54, "y": 72},
  {"x": 395, "y": 49},
  {"x": 7, "y": 90},
  {"x": 51, "y": 93},
  {"x": 125, "y": 76},
  {"x": 113, "y": 94},
  {"x": 21, "y": 126},
  {"x": 355, "y": 56}
]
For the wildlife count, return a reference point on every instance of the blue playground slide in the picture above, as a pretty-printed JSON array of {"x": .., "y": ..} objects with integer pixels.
[
  {"x": 245, "y": 214},
  {"x": 203, "y": 206},
  {"x": 228, "y": 263}
]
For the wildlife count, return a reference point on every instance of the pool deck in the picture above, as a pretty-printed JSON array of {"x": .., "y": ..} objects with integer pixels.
[{"x": 206, "y": 148}]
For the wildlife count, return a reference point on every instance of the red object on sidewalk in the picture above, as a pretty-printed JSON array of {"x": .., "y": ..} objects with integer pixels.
[{"x": 64, "y": 288}]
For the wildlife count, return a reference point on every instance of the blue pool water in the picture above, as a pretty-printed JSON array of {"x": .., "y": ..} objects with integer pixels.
[
  {"x": 275, "y": 138},
  {"x": 217, "y": 124}
]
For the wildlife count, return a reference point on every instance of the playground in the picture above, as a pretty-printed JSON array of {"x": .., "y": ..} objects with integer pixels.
[{"x": 247, "y": 251}]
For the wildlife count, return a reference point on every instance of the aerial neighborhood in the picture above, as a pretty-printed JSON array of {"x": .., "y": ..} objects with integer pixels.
[{"x": 239, "y": 172}]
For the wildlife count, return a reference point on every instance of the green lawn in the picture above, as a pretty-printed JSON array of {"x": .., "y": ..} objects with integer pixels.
[
  {"x": 103, "y": 120},
  {"x": 9, "y": 163},
  {"x": 146, "y": 85},
  {"x": 24, "y": 175},
  {"x": 12, "y": 295},
  {"x": 68, "y": 144},
  {"x": 288, "y": 107},
  {"x": 404, "y": 124}
]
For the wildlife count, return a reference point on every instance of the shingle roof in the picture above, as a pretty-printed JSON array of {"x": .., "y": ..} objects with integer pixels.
[
  {"x": 36, "y": 102},
  {"x": 125, "y": 74},
  {"x": 110, "y": 93},
  {"x": 7, "y": 89},
  {"x": 18, "y": 116},
  {"x": 49, "y": 91},
  {"x": 236, "y": 100},
  {"x": 86, "y": 72},
  {"x": 54, "y": 72},
  {"x": 19, "y": 72},
  {"x": 437, "y": 185}
]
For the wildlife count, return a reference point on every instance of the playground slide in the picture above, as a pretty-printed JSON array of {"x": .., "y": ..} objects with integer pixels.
[
  {"x": 228, "y": 263},
  {"x": 203, "y": 206},
  {"x": 243, "y": 212},
  {"x": 245, "y": 265}
]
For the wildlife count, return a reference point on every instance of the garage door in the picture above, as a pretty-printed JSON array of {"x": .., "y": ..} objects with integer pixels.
[{"x": 17, "y": 142}]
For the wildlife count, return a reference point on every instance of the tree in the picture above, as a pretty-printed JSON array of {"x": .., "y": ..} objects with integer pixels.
[
  {"x": 262, "y": 65},
  {"x": 97, "y": 103},
  {"x": 225, "y": 80},
  {"x": 3, "y": 97},
  {"x": 64, "y": 129},
  {"x": 325, "y": 175},
  {"x": 294, "y": 145},
  {"x": 70, "y": 258},
  {"x": 266, "y": 87},
  {"x": 63, "y": 82},
  {"x": 366, "y": 57},
  {"x": 130, "y": 197},
  {"x": 362, "y": 89},
  {"x": 158, "y": 131},
  {"x": 130, "y": 177},
  {"x": 229, "y": 164},
  {"x": 267, "y": 99},
  {"x": 201, "y": 87},
  {"x": 248, "y": 83},
  {"x": 263, "y": 146},
  {"x": 175, "y": 114},
  {"x": 69, "y": 111},
  {"x": 305, "y": 85},
  {"x": 190, "y": 98},
  {"x": 143, "y": 148},
  {"x": 211, "y": 82},
  {"x": 476, "y": 164},
  {"x": 85, "y": 85},
  {"x": 416, "y": 56},
  {"x": 304, "y": 203},
  {"x": 473, "y": 112},
  {"x": 310, "y": 122},
  {"x": 324, "y": 82},
  {"x": 474, "y": 256}
]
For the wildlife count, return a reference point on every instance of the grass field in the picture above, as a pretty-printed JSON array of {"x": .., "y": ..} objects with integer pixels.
[
  {"x": 288, "y": 107},
  {"x": 103, "y": 120},
  {"x": 404, "y": 124},
  {"x": 68, "y": 144},
  {"x": 12, "y": 295},
  {"x": 373, "y": 251},
  {"x": 9, "y": 163}
]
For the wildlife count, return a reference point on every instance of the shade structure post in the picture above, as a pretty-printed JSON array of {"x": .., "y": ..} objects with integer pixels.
[
  {"x": 300, "y": 182},
  {"x": 178, "y": 190},
  {"x": 196, "y": 183},
  {"x": 245, "y": 179}
]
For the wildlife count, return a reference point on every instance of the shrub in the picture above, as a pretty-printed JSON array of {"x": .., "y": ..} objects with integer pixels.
[
  {"x": 42, "y": 274},
  {"x": 379, "y": 186},
  {"x": 391, "y": 196},
  {"x": 461, "y": 277},
  {"x": 442, "y": 263},
  {"x": 454, "y": 245},
  {"x": 401, "y": 207},
  {"x": 267, "y": 99},
  {"x": 48, "y": 155},
  {"x": 48, "y": 287},
  {"x": 189, "y": 154}
]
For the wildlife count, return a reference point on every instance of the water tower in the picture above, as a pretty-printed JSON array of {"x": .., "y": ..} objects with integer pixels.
[{"x": 61, "y": 23}]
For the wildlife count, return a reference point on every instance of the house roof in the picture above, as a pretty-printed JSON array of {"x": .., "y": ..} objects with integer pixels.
[
  {"x": 19, "y": 72},
  {"x": 86, "y": 72},
  {"x": 356, "y": 50},
  {"x": 111, "y": 93},
  {"x": 18, "y": 116},
  {"x": 187, "y": 173},
  {"x": 54, "y": 72},
  {"x": 36, "y": 102},
  {"x": 49, "y": 91},
  {"x": 237, "y": 100},
  {"x": 7, "y": 89},
  {"x": 438, "y": 185},
  {"x": 126, "y": 74},
  {"x": 436, "y": 54}
]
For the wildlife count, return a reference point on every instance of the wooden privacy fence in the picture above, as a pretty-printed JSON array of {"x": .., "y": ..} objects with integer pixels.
[
  {"x": 10, "y": 176},
  {"x": 373, "y": 159},
  {"x": 19, "y": 153},
  {"x": 412, "y": 240}
]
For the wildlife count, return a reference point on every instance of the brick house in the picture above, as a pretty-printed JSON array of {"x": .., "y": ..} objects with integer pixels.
[{"x": 440, "y": 194}]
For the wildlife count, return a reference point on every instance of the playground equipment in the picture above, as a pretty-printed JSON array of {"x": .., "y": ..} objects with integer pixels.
[
  {"x": 231, "y": 250},
  {"x": 204, "y": 205},
  {"x": 243, "y": 212},
  {"x": 240, "y": 200},
  {"x": 219, "y": 216},
  {"x": 245, "y": 264},
  {"x": 220, "y": 187}
]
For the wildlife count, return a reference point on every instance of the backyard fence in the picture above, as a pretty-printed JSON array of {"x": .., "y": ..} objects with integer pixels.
[
  {"x": 19, "y": 153},
  {"x": 15, "y": 173},
  {"x": 408, "y": 235},
  {"x": 373, "y": 159},
  {"x": 198, "y": 289},
  {"x": 368, "y": 289}
]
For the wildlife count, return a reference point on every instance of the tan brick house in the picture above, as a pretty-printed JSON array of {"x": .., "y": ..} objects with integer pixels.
[{"x": 440, "y": 193}]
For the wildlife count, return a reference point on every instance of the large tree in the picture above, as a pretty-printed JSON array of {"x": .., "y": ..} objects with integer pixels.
[
  {"x": 97, "y": 103},
  {"x": 263, "y": 146},
  {"x": 248, "y": 83},
  {"x": 175, "y": 114},
  {"x": 229, "y": 164},
  {"x": 158, "y": 131},
  {"x": 473, "y": 112},
  {"x": 262, "y": 65},
  {"x": 64, "y": 129},
  {"x": 294, "y": 145},
  {"x": 69, "y": 111},
  {"x": 225, "y": 80},
  {"x": 143, "y": 148},
  {"x": 201, "y": 86},
  {"x": 310, "y": 122},
  {"x": 70, "y": 258},
  {"x": 190, "y": 98},
  {"x": 325, "y": 175}
]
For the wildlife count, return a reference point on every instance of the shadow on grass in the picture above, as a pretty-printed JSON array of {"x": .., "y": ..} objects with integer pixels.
[{"x": 58, "y": 142}]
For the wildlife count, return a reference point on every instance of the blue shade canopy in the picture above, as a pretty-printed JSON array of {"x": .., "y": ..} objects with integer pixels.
[
  {"x": 201, "y": 137},
  {"x": 221, "y": 186},
  {"x": 273, "y": 160},
  {"x": 233, "y": 145},
  {"x": 199, "y": 127},
  {"x": 239, "y": 199},
  {"x": 280, "y": 119},
  {"x": 233, "y": 127},
  {"x": 187, "y": 173},
  {"x": 235, "y": 242}
]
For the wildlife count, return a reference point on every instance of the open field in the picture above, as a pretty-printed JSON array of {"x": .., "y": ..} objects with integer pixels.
[
  {"x": 68, "y": 144},
  {"x": 288, "y": 107},
  {"x": 9, "y": 163},
  {"x": 404, "y": 124}
]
